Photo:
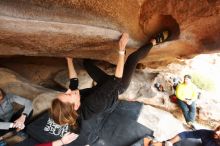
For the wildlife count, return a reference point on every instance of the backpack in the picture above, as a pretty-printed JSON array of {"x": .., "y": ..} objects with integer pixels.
[{"x": 173, "y": 98}]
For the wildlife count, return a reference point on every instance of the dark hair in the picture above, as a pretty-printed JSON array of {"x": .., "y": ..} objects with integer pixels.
[
  {"x": 2, "y": 92},
  {"x": 187, "y": 76}
]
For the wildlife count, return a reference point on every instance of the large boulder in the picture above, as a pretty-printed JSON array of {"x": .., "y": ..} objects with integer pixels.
[
  {"x": 37, "y": 70},
  {"x": 14, "y": 83},
  {"x": 62, "y": 79},
  {"x": 164, "y": 124},
  {"x": 41, "y": 97},
  {"x": 43, "y": 102},
  {"x": 90, "y": 29}
]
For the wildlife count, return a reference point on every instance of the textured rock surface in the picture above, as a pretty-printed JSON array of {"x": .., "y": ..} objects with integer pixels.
[
  {"x": 11, "y": 82},
  {"x": 84, "y": 80},
  {"x": 90, "y": 29},
  {"x": 162, "y": 122},
  {"x": 37, "y": 70}
]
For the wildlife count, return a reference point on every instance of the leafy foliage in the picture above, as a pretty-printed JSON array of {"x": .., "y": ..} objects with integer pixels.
[{"x": 203, "y": 81}]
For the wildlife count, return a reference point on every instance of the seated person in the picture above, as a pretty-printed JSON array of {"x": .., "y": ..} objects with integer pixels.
[
  {"x": 207, "y": 137},
  {"x": 186, "y": 94},
  {"x": 9, "y": 119},
  {"x": 96, "y": 113}
]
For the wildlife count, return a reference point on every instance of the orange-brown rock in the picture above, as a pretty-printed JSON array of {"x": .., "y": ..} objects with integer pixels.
[{"x": 90, "y": 29}]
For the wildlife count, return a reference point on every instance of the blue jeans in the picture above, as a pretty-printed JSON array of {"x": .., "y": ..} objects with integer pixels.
[
  {"x": 3, "y": 143},
  {"x": 189, "y": 111}
]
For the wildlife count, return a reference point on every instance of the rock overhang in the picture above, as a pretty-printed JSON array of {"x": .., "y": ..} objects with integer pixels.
[{"x": 90, "y": 29}]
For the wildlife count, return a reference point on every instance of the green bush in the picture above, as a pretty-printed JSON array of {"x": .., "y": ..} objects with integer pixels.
[{"x": 204, "y": 82}]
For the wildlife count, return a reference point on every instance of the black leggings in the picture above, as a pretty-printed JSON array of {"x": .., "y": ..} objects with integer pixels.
[{"x": 130, "y": 65}]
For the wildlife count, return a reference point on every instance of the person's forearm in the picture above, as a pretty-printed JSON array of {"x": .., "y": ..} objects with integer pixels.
[
  {"x": 120, "y": 66},
  {"x": 71, "y": 69},
  {"x": 57, "y": 143},
  {"x": 54, "y": 143},
  {"x": 175, "y": 139}
]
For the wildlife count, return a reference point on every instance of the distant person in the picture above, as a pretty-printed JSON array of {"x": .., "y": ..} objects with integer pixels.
[
  {"x": 10, "y": 119},
  {"x": 186, "y": 94},
  {"x": 207, "y": 137}
]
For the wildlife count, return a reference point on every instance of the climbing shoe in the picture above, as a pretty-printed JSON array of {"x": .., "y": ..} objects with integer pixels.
[{"x": 162, "y": 37}]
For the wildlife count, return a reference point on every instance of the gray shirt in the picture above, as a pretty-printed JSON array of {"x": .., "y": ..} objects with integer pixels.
[{"x": 7, "y": 109}]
